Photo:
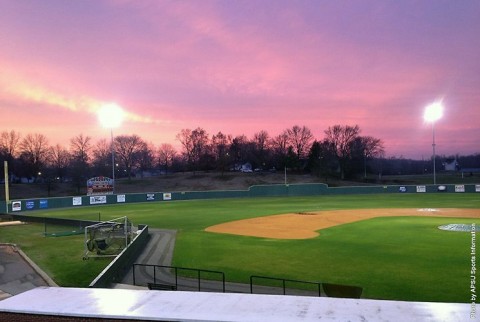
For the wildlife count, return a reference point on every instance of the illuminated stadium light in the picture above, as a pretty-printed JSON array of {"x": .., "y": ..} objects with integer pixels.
[
  {"x": 111, "y": 116},
  {"x": 433, "y": 113}
]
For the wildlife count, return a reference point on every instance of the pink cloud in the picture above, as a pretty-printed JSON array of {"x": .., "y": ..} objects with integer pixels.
[{"x": 244, "y": 67}]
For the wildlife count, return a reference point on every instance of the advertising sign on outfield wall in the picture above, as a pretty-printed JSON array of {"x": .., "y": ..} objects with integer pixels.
[
  {"x": 43, "y": 204},
  {"x": 477, "y": 188},
  {"x": 77, "y": 201},
  {"x": 150, "y": 196},
  {"x": 120, "y": 198},
  {"x": 95, "y": 200},
  {"x": 421, "y": 188},
  {"x": 30, "y": 204},
  {"x": 16, "y": 206},
  {"x": 459, "y": 188},
  {"x": 167, "y": 196}
]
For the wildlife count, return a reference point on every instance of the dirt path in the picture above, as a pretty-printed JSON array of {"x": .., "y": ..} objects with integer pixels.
[{"x": 306, "y": 225}]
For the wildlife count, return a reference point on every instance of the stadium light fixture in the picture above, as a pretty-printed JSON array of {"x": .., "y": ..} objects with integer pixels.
[
  {"x": 433, "y": 113},
  {"x": 111, "y": 116}
]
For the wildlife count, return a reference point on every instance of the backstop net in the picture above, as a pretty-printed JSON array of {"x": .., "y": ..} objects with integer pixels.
[{"x": 108, "y": 238}]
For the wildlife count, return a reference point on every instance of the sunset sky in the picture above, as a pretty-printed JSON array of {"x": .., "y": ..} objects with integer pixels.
[{"x": 244, "y": 66}]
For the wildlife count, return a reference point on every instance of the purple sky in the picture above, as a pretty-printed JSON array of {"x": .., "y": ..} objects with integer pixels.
[{"x": 244, "y": 66}]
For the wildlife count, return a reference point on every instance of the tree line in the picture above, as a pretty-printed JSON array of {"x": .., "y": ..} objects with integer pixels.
[{"x": 342, "y": 151}]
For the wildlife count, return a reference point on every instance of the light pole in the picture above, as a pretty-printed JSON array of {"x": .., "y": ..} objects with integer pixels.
[
  {"x": 111, "y": 116},
  {"x": 433, "y": 113},
  {"x": 364, "y": 164},
  {"x": 7, "y": 181},
  {"x": 113, "y": 160}
]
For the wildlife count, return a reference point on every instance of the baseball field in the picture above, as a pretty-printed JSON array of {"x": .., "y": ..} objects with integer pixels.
[{"x": 389, "y": 244}]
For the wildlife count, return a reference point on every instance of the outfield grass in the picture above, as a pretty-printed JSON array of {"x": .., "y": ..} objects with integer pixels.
[{"x": 398, "y": 258}]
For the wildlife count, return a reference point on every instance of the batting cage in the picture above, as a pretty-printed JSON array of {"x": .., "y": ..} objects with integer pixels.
[{"x": 108, "y": 238}]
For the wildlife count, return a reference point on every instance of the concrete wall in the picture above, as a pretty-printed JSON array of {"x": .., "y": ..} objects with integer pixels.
[
  {"x": 146, "y": 305},
  {"x": 115, "y": 271}
]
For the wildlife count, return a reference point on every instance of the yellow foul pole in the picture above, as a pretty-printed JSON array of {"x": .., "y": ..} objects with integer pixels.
[{"x": 7, "y": 193}]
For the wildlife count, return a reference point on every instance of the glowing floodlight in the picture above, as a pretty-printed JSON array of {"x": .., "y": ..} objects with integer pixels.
[
  {"x": 111, "y": 116},
  {"x": 433, "y": 112}
]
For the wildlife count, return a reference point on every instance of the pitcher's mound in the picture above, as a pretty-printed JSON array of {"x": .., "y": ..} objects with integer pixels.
[{"x": 304, "y": 225}]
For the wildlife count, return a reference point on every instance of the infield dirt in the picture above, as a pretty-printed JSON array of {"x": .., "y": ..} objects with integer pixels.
[{"x": 305, "y": 225}]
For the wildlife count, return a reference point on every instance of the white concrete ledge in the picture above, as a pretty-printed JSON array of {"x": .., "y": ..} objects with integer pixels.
[{"x": 197, "y": 306}]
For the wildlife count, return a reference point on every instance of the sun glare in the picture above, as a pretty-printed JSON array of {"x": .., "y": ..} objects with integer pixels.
[{"x": 111, "y": 116}]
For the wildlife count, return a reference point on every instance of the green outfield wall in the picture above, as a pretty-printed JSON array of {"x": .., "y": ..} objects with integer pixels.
[{"x": 277, "y": 190}]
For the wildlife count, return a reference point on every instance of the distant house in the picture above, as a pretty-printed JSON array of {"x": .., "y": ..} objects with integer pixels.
[
  {"x": 246, "y": 167},
  {"x": 451, "y": 165}
]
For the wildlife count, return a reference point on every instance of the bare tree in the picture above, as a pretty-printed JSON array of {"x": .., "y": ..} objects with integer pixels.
[
  {"x": 102, "y": 157},
  {"x": 166, "y": 154},
  {"x": 9, "y": 148},
  {"x": 341, "y": 139},
  {"x": 322, "y": 159},
  {"x": 238, "y": 150},
  {"x": 373, "y": 147},
  {"x": 366, "y": 147},
  {"x": 200, "y": 145},
  {"x": 195, "y": 146},
  {"x": 185, "y": 138},
  {"x": 145, "y": 158},
  {"x": 260, "y": 142},
  {"x": 59, "y": 160},
  {"x": 280, "y": 143},
  {"x": 300, "y": 138},
  {"x": 9, "y": 143},
  {"x": 220, "y": 143},
  {"x": 80, "y": 147},
  {"x": 279, "y": 146},
  {"x": 34, "y": 152},
  {"x": 128, "y": 149}
]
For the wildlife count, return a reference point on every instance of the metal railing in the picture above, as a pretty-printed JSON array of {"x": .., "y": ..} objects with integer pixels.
[
  {"x": 162, "y": 277},
  {"x": 167, "y": 277},
  {"x": 284, "y": 284}
]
